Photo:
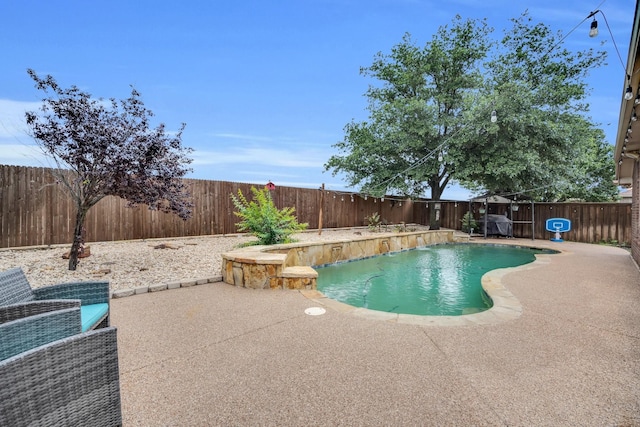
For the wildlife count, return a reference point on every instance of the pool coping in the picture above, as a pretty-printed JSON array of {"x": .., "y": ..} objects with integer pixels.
[
  {"x": 506, "y": 306},
  {"x": 290, "y": 266}
]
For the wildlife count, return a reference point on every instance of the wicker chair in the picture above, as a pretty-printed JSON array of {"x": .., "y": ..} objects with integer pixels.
[
  {"x": 29, "y": 325},
  {"x": 94, "y": 296},
  {"x": 73, "y": 381}
]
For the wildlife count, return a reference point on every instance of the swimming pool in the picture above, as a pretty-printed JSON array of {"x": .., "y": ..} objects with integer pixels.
[{"x": 440, "y": 280}]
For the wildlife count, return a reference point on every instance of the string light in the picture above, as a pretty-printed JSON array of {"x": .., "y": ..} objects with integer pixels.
[
  {"x": 593, "y": 31},
  {"x": 628, "y": 94}
]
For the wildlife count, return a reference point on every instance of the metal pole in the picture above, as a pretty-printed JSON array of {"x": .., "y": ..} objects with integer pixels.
[
  {"x": 533, "y": 221},
  {"x": 511, "y": 217},
  {"x": 469, "y": 219},
  {"x": 320, "y": 212},
  {"x": 486, "y": 210}
]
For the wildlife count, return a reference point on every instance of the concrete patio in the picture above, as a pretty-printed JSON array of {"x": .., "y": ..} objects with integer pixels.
[{"x": 216, "y": 354}]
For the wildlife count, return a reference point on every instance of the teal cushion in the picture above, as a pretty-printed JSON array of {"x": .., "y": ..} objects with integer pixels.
[{"x": 91, "y": 314}]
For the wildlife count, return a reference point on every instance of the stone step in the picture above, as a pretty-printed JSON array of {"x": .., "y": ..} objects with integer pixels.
[{"x": 300, "y": 271}]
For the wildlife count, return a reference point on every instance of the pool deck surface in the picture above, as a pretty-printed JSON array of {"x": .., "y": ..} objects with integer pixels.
[{"x": 216, "y": 354}]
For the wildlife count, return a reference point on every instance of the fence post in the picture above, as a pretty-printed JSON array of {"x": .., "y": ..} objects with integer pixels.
[{"x": 320, "y": 212}]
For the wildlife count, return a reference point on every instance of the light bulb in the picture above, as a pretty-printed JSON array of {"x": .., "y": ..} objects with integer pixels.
[
  {"x": 628, "y": 94},
  {"x": 494, "y": 116},
  {"x": 593, "y": 31},
  {"x": 634, "y": 116},
  {"x": 637, "y": 100}
]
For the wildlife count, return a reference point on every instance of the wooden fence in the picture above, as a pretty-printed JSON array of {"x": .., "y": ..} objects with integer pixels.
[
  {"x": 590, "y": 222},
  {"x": 34, "y": 210}
]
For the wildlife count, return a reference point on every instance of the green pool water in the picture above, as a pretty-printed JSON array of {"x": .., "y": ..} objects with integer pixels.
[{"x": 435, "y": 280}]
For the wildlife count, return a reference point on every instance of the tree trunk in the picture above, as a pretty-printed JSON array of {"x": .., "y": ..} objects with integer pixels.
[
  {"x": 76, "y": 246},
  {"x": 434, "y": 214}
]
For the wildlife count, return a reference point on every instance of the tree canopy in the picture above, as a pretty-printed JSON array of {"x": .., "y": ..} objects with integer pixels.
[
  {"x": 429, "y": 117},
  {"x": 414, "y": 110},
  {"x": 543, "y": 138},
  {"x": 111, "y": 150}
]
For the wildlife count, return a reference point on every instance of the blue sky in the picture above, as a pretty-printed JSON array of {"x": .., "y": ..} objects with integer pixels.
[{"x": 265, "y": 88}]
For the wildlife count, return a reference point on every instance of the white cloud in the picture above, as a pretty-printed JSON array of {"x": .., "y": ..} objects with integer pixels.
[
  {"x": 13, "y": 125},
  {"x": 272, "y": 174},
  {"x": 243, "y": 137},
  {"x": 22, "y": 155},
  {"x": 260, "y": 156}
]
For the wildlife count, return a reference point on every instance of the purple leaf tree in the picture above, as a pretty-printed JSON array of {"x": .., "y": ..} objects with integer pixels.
[{"x": 108, "y": 148}]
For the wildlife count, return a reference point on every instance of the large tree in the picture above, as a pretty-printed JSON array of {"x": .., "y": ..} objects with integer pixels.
[
  {"x": 108, "y": 148},
  {"x": 594, "y": 170},
  {"x": 543, "y": 139},
  {"x": 429, "y": 116},
  {"x": 414, "y": 110}
]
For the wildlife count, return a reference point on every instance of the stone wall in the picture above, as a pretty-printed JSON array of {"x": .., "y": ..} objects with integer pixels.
[{"x": 289, "y": 266}]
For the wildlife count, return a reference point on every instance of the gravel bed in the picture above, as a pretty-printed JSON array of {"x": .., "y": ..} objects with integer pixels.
[{"x": 139, "y": 263}]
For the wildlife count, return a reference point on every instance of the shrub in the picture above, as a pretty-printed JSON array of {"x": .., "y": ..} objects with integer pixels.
[
  {"x": 262, "y": 219},
  {"x": 468, "y": 222},
  {"x": 373, "y": 221}
]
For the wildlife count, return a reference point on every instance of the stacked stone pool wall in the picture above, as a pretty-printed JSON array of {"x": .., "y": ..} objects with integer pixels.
[{"x": 290, "y": 266}]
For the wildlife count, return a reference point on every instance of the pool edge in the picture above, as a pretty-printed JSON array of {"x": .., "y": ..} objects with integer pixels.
[{"x": 506, "y": 306}]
